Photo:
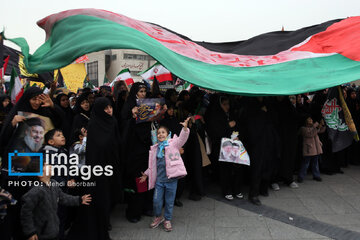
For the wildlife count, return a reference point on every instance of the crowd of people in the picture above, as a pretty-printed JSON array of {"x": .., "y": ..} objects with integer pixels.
[{"x": 282, "y": 134}]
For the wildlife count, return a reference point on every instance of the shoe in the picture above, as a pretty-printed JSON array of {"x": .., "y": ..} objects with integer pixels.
[
  {"x": 133, "y": 220},
  {"x": 340, "y": 171},
  {"x": 229, "y": 197},
  {"x": 178, "y": 203},
  {"x": 293, "y": 185},
  {"x": 195, "y": 197},
  {"x": 318, "y": 179},
  {"x": 156, "y": 222},
  {"x": 275, "y": 187},
  {"x": 167, "y": 226},
  {"x": 255, "y": 200},
  {"x": 240, "y": 196},
  {"x": 300, "y": 180}
]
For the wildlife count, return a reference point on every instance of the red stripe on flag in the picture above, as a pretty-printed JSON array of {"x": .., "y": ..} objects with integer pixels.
[
  {"x": 19, "y": 95},
  {"x": 341, "y": 37},
  {"x": 163, "y": 77},
  {"x": 129, "y": 81}
]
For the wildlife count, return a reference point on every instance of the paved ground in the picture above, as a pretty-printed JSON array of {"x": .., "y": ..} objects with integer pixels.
[{"x": 317, "y": 210}]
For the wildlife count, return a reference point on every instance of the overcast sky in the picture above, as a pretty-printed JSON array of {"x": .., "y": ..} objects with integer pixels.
[{"x": 202, "y": 20}]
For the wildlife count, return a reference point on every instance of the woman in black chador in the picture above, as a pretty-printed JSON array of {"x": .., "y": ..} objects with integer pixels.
[
  {"x": 137, "y": 142},
  {"x": 102, "y": 149},
  {"x": 263, "y": 146}
]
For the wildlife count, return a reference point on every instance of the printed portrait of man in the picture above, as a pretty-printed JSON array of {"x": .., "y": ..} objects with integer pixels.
[
  {"x": 33, "y": 136},
  {"x": 226, "y": 149},
  {"x": 235, "y": 152}
]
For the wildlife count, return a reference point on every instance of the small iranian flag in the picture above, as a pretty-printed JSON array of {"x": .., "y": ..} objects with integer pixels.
[
  {"x": 187, "y": 86},
  {"x": 158, "y": 70},
  {"x": 123, "y": 75},
  {"x": 16, "y": 87}
]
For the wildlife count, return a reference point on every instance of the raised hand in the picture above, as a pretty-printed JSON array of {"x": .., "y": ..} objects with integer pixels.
[
  {"x": 46, "y": 100},
  {"x": 86, "y": 199},
  {"x": 17, "y": 119},
  {"x": 185, "y": 123}
]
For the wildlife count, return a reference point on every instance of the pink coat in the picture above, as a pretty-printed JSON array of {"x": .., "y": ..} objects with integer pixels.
[{"x": 173, "y": 162}]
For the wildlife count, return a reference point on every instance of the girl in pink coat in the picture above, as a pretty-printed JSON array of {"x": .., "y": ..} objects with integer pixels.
[{"x": 165, "y": 168}]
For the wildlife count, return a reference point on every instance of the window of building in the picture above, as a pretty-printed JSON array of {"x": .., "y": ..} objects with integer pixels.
[
  {"x": 113, "y": 57},
  {"x": 136, "y": 56},
  {"x": 92, "y": 71}
]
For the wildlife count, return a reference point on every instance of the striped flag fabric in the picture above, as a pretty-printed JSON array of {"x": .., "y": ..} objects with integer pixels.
[
  {"x": 82, "y": 59},
  {"x": 157, "y": 70},
  {"x": 16, "y": 88},
  {"x": 123, "y": 75},
  {"x": 276, "y": 63}
]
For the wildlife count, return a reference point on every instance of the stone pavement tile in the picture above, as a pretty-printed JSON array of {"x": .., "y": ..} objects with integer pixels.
[
  {"x": 279, "y": 230},
  {"x": 285, "y": 192},
  {"x": 346, "y": 189},
  {"x": 339, "y": 219},
  {"x": 200, "y": 232},
  {"x": 200, "y": 222},
  {"x": 205, "y": 207},
  {"x": 312, "y": 189},
  {"x": 339, "y": 205},
  {"x": 223, "y": 209},
  {"x": 124, "y": 233},
  {"x": 233, "y": 222},
  {"x": 352, "y": 227},
  {"x": 291, "y": 205},
  {"x": 240, "y": 233},
  {"x": 243, "y": 213},
  {"x": 354, "y": 201},
  {"x": 179, "y": 230},
  {"x": 340, "y": 178},
  {"x": 316, "y": 205}
]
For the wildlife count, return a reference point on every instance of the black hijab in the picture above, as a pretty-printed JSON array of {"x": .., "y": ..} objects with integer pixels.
[
  {"x": 6, "y": 109},
  {"x": 77, "y": 108}
]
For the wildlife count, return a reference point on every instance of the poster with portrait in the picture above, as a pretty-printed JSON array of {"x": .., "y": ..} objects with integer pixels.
[
  {"x": 150, "y": 109},
  {"x": 29, "y": 138},
  {"x": 233, "y": 151}
]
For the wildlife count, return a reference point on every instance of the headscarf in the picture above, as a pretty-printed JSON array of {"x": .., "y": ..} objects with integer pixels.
[
  {"x": 77, "y": 108},
  {"x": 8, "y": 107}
]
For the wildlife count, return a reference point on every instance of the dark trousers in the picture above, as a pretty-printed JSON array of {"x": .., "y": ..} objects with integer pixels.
[
  {"x": 138, "y": 203},
  {"x": 231, "y": 176}
]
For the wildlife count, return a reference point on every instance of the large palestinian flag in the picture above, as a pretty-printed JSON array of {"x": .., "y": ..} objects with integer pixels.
[{"x": 308, "y": 59}]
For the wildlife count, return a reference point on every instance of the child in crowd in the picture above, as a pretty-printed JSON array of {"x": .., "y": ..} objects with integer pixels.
[
  {"x": 312, "y": 148},
  {"x": 39, "y": 217},
  {"x": 165, "y": 167},
  {"x": 79, "y": 146},
  {"x": 55, "y": 144}
]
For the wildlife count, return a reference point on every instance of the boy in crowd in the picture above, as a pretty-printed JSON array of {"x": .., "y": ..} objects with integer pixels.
[
  {"x": 55, "y": 144},
  {"x": 39, "y": 217}
]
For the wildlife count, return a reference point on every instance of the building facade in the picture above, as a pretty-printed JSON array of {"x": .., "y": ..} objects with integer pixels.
[{"x": 110, "y": 62}]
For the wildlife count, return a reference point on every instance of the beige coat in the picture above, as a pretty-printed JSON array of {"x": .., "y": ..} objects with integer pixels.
[{"x": 312, "y": 145}]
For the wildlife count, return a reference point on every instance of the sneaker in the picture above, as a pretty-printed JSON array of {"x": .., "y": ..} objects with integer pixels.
[
  {"x": 240, "y": 196},
  {"x": 157, "y": 221},
  {"x": 229, "y": 197},
  {"x": 293, "y": 185},
  {"x": 275, "y": 187},
  {"x": 167, "y": 226}
]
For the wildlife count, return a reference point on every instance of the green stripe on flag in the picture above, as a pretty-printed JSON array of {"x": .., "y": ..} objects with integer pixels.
[{"x": 85, "y": 34}]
